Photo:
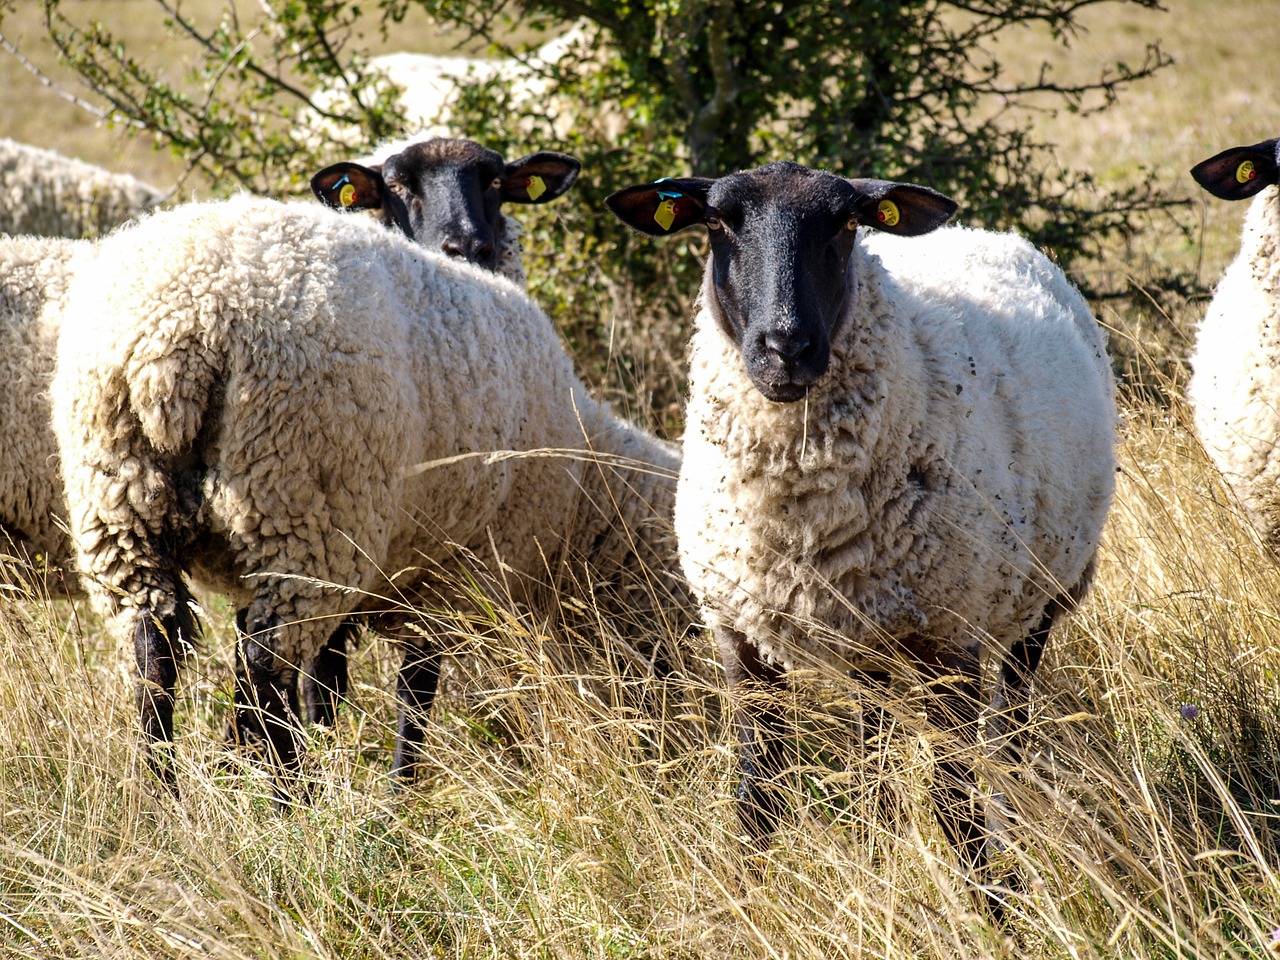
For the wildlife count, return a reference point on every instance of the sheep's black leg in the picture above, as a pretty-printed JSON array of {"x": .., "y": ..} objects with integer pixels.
[
  {"x": 754, "y": 686},
  {"x": 157, "y": 646},
  {"x": 416, "y": 688},
  {"x": 953, "y": 707},
  {"x": 1013, "y": 695},
  {"x": 266, "y": 695},
  {"x": 324, "y": 685}
]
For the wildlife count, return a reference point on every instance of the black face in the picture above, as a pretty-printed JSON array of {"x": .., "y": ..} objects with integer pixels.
[
  {"x": 447, "y": 194},
  {"x": 450, "y": 193},
  {"x": 781, "y": 238}
]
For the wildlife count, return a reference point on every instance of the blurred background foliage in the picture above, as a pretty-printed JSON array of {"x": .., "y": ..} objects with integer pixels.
[{"x": 648, "y": 88}]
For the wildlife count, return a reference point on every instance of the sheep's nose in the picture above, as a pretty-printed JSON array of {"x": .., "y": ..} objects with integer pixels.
[
  {"x": 787, "y": 345},
  {"x": 472, "y": 249}
]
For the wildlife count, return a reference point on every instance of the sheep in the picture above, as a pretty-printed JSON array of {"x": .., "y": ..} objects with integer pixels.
[
  {"x": 292, "y": 407},
  {"x": 448, "y": 192},
  {"x": 898, "y": 453},
  {"x": 431, "y": 83},
  {"x": 34, "y": 272},
  {"x": 46, "y": 194},
  {"x": 443, "y": 193},
  {"x": 1233, "y": 388}
]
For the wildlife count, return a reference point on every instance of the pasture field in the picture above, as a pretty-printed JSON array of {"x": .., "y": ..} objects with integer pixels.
[{"x": 584, "y": 814}]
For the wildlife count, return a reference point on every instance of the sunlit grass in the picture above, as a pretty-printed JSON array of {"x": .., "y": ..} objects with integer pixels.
[
  {"x": 586, "y": 812},
  {"x": 556, "y": 816}
]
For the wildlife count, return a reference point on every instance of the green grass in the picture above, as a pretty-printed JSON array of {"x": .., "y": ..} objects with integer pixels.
[{"x": 547, "y": 823}]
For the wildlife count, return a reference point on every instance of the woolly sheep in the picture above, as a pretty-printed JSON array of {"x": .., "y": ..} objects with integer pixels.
[
  {"x": 242, "y": 393},
  {"x": 448, "y": 193},
  {"x": 898, "y": 452},
  {"x": 34, "y": 272},
  {"x": 431, "y": 84},
  {"x": 460, "y": 184},
  {"x": 1234, "y": 391},
  {"x": 46, "y": 194}
]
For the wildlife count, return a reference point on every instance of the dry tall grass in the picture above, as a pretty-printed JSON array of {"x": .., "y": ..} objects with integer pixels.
[
  {"x": 556, "y": 819},
  {"x": 1141, "y": 829}
]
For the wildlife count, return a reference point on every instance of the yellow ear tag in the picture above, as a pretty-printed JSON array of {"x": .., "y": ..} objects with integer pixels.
[
  {"x": 1245, "y": 172},
  {"x": 347, "y": 195},
  {"x": 536, "y": 187},
  {"x": 887, "y": 213},
  {"x": 665, "y": 215}
]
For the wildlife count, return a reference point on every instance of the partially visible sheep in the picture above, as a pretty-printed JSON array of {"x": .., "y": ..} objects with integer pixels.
[
  {"x": 1235, "y": 381},
  {"x": 447, "y": 194},
  {"x": 47, "y": 194},
  {"x": 432, "y": 83},
  {"x": 34, "y": 273},
  {"x": 898, "y": 452},
  {"x": 243, "y": 392}
]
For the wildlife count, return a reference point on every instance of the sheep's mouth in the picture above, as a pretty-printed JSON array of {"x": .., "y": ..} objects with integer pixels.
[
  {"x": 784, "y": 382},
  {"x": 783, "y": 391}
]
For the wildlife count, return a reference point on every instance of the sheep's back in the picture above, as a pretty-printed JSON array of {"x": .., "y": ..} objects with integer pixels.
[
  {"x": 45, "y": 193},
  {"x": 297, "y": 369}
]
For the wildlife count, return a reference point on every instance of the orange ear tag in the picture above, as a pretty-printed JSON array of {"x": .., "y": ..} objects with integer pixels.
[
  {"x": 1245, "y": 172},
  {"x": 536, "y": 187},
  {"x": 665, "y": 215},
  {"x": 887, "y": 213},
  {"x": 347, "y": 195}
]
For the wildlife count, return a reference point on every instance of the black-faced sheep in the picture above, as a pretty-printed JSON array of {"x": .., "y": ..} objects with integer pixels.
[
  {"x": 1234, "y": 391},
  {"x": 243, "y": 392},
  {"x": 446, "y": 194},
  {"x": 898, "y": 452}
]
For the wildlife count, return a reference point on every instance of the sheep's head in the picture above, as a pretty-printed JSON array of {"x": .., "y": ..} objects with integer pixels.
[
  {"x": 781, "y": 240},
  {"x": 446, "y": 194},
  {"x": 1240, "y": 172}
]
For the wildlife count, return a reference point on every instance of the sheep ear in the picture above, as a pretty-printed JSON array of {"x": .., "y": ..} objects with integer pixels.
[
  {"x": 539, "y": 177},
  {"x": 902, "y": 208},
  {"x": 663, "y": 207},
  {"x": 349, "y": 186},
  {"x": 1240, "y": 172}
]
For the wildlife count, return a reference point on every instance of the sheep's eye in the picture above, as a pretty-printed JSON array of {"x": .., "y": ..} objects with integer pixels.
[{"x": 713, "y": 223}]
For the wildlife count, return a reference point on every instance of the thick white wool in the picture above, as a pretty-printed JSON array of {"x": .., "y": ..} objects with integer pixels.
[
  {"x": 257, "y": 387},
  {"x": 949, "y": 475},
  {"x": 1235, "y": 381},
  {"x": 47, "y": 194},
  {"x": 34, "y": 272}
]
